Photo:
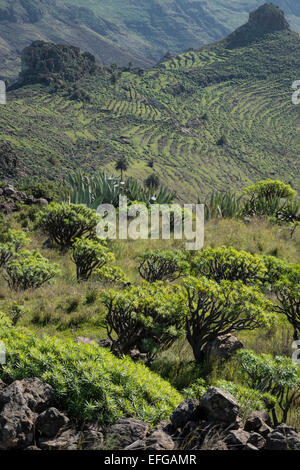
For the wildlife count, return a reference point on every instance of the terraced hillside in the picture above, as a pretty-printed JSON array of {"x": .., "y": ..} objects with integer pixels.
[{"x": 208, "y": 119}]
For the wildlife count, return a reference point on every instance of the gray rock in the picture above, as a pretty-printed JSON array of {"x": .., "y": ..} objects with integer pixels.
[
  {"x": 256, "y": 420},
  {"x": 67, "y": 440},
  {"x": 184, "y": 412},
  {"x": 237, "y": 439},
  {"x": 19, "y": 403},
  {"x": 16, "y": 419},
  {"x": 284, "y": 437},
  {"x": 257, "y": 440},
  {"x": 92, "y": 437},
  {"x": 138, "y": 445},
  {"x": 159, "y": 440},
  {"x": 50, "y": 422},
  {"x": 225, "y": 346},
  {"x": 219, "y": 406},
  {"x": 126, "y": 431},
  {"x": 250, "y": 447}
]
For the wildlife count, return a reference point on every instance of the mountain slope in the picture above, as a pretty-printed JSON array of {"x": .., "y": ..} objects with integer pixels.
[
  {"x": 214, "y": 118},
  {"x": 122, "y": 31}
]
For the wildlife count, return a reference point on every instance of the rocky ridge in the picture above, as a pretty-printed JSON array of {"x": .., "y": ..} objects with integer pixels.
[{"x": 29, "y": 420}]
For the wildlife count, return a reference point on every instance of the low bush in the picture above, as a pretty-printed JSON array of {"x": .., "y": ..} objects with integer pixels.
[
  {"x": 29, "y": 270},
  {"x": 64, "y": 223},
  {"x": 90, "y": 383},
  {"x": 228, "y": 264},
  {"x": 89, "y": 255},
  {"x": 112, "y": 275},
  {"x": 162, "y": 265},
  {"x": 287, "y": 291},
  {"x": 277, "y": 376},
  {"x": 147, "y": 318}
]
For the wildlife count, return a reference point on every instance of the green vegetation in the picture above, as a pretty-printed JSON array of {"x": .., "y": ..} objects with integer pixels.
[
  {"x": 278, "y": 376},
  {"x": 162, "y": 265},
  {"x": 147, "y": 318},
  {"x": 64, "y": 223},
  {"x": 244, "y": 92},
  {"x": 217, "y": 309},
  {"x": 90, "y": 383},
  {"x": 28, "y": 270},
  {"x": 229, "y": 264},
  {"x": 89, "y": 255}
]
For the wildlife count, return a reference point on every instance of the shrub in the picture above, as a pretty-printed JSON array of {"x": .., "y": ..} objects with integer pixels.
[
  {"x": 64, "y": 223},
  {"x": 12, "y": 240},
  {"x": 162, "y": 265},
  {"x": 228, "y": 264},
  {"x": 29, "y": 270},
  {"x": 90, "y": 383},
  {"x": 277, "y": 376},
  {"x": 275, "y": 269},
  {"x": 287, "y": 291},
  {"x": 147, "y": 318},
  {"x": 112, "y": 275},
  {"x": 217, "y": 309},
  {"x": 265, "y": 198},
  {"x": 89, "y": 255},
  {"x": 270, "y": 189}
]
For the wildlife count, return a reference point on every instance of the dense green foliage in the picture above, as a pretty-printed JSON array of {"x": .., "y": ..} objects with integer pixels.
[
  {"x": 89, "y": 255},
  {"x": 287, "y": 290},
  {"x": 216, "y": 309},
  {"x": 89, "y": 382},
  {"x": 101, "y": 189},
  {"x": 228, "y": 264},
  {"x": 28, "y": 270},
  {"x": 148, "y": 318},
  {"x": 64, "y": 223},
  {"x": 278, "y": 376}
]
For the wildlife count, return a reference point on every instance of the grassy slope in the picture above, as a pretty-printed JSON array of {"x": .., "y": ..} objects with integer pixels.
[{"x": 244, "y": 92}]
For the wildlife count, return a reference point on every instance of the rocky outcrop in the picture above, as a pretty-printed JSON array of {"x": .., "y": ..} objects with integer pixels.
[
  {"x": 29, "y": 420},
  {"x": 267, "y": 19},
  {"x": 45, "y": 62},
  {"x": 10, "y": 198}
]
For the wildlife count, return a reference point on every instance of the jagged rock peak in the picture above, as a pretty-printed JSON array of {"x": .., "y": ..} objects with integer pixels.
[{"x": 269, "y": 17}]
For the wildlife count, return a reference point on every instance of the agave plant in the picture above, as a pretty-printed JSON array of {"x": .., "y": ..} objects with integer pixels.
[
  {"x": 101, "y": 189},
  {"x": 222, "y": 204}
]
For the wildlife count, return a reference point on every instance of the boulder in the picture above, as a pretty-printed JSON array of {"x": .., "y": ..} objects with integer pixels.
[
  {"x": 184, "y": 412},
  {"x": 126, "y": 431},
  {"x": 257, "y": 440},
  {"x": 219, "y": 406},
  {"x": 92, "y": 437},
  {"x": 256, "y": 419},
  {"x": 16, "y": 419},
  {"x": 225, "y": 346},
  {"x": 67, "y": 440},
  {"x": 38, "y": 395},
  {"x": 283, "y": 438},
  {"x": 50, "y": 422},
  {"x": 159, "y": 440},
  {"x": 237, "y": 439}
]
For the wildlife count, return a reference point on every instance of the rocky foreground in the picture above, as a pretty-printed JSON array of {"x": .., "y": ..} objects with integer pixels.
[{"x": 29, "y": 420}]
